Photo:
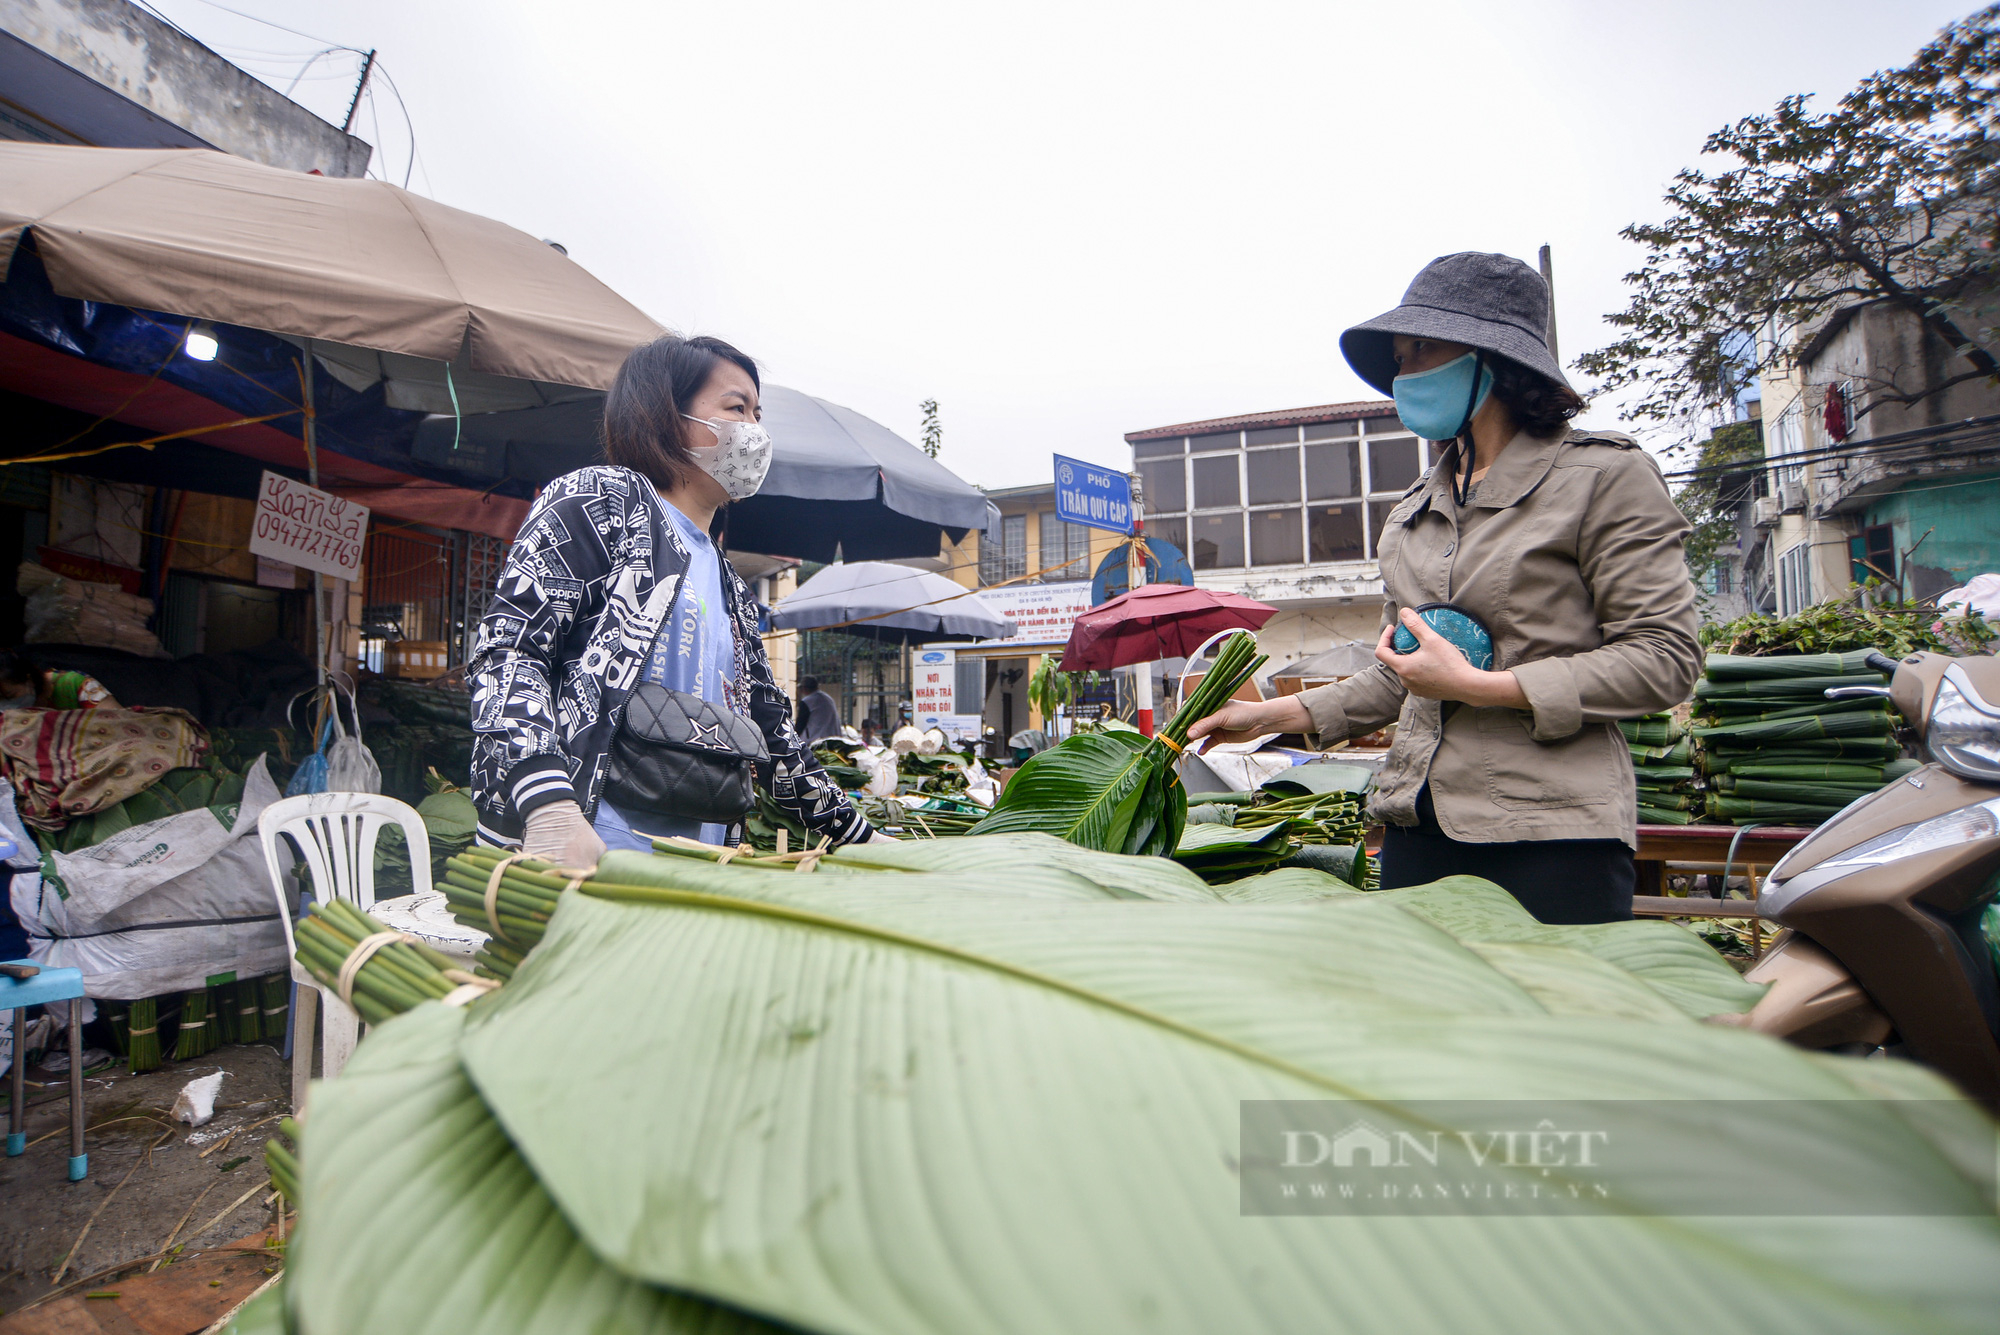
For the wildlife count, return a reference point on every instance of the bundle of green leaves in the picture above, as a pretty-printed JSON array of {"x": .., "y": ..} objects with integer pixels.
[
  {"x": 1663, "y": 769},
  {"x": 997, "y": 1084},
  {"x": 215, "y": 786},
  {"x": 450, "y": 821},
  {"x": 1118, "y": 791},
  {"x": 1776, "y": 750}
]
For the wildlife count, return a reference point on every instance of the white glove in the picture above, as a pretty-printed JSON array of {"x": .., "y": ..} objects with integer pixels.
[
  {"x": 558, "y": 833},
  {"x": 877, "y": 837}
]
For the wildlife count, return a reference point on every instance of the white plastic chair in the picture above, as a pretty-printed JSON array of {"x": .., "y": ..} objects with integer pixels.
[{"x": 336, "y": 833}]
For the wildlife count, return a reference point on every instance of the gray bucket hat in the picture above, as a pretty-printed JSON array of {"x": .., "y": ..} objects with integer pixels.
[{"x": 1493, "y": 302}]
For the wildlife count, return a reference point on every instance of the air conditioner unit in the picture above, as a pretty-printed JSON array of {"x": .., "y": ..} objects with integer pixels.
[
  {"x": 1791, "y": 496},
  {"x": 1765, "y": 512}
]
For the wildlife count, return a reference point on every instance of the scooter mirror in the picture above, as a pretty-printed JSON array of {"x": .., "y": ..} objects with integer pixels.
[{"x": 1914, "y": 687}]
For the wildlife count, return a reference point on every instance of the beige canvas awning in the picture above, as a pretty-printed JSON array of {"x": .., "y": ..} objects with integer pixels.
[{"x": 198, "y": 233}]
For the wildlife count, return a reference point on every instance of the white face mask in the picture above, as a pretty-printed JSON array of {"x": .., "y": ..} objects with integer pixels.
[{"x": 740, "y": 457}]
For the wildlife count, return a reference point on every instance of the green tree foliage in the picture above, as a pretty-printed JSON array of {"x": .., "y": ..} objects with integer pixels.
[
  {"x": 933, "y": 429},
  {"x": 1887, "y": 198},
  {"x": 1712, "y": 514}
]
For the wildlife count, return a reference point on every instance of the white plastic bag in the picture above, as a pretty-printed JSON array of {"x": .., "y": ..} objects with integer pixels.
[
  {"x": 350, "y": 766},
  {"x": 881, "y": 767}
]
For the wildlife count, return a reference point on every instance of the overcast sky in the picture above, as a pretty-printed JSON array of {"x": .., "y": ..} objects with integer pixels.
[{"x": 1062, "y": 221}]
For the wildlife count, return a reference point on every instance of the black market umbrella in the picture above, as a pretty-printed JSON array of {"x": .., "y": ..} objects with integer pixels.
[
  {"x": 888, "y": 602},
  {"x": 840, "y": 483}
]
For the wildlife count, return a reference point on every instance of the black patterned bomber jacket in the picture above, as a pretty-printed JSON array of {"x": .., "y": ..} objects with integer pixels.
[{"x": 586, "y": 584}]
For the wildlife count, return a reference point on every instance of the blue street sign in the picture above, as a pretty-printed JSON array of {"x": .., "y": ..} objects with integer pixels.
[{"x": 1087, "y": 494}]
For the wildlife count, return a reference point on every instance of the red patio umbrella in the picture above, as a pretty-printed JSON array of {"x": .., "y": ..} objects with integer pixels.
[{"x": 1156, "y": 621}]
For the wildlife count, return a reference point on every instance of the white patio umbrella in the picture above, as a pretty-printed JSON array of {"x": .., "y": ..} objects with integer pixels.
[{"x": 889, "y": 602}]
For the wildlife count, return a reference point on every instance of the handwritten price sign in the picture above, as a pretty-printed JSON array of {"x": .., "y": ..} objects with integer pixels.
[{"x": 308, "y": 527}]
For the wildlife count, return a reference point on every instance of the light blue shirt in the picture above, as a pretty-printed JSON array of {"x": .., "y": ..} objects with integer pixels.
[{"x": 695, "y": 653}]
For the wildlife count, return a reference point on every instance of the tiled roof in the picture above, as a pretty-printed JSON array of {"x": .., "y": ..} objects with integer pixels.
[{"x": 1326, "y": 412}]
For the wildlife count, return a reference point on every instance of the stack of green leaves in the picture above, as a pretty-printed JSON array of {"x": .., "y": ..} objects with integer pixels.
[
  {"x": 214, "y": 786},
  {"x": 1219, "y": 853},
  {"x": 1663, "y": 768},
  {"x": 718, "y": 1099},
  {"x": 1776, "y": 750},
  {"x": 763, "y": 822},
  {"x": 432, "y": 730},
  {"x": 1118, "y": 791},
  {"x": 943, "y": 773},
  {"x": 238, "y": 749},
  {"x": 521, "y": 905},
  {"x": 450, "y": 820},
  {"x": 1322, "y": 805}
]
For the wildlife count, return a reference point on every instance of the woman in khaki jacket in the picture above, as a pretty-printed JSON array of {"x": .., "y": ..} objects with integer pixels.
[{"x": 1566, "y": 545}]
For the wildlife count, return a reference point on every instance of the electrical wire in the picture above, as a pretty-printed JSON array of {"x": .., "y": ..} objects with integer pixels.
[
  {"x": 164, "y": 19},
  {"x": 266, "y": 22},
  {"x": 375, "y": 119},
  {"x": 1971, "y": 430},
  {"x": 310, "y": 62},
  {"x": 329, "y": 46},
  {"x": 408, "y": 124}
]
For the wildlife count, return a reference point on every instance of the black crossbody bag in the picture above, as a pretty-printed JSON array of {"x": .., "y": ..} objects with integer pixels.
[{"x": 677, "y": 755}]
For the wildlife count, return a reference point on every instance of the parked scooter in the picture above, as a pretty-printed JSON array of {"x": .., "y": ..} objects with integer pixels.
[{"x": 1883, "y": 945}]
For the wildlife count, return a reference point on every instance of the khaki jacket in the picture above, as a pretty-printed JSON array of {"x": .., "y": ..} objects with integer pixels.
[{"x": 1570, "y": 552}]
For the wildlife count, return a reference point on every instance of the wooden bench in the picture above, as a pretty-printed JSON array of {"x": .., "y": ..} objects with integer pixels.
[{"x": 1706, "y": 847}]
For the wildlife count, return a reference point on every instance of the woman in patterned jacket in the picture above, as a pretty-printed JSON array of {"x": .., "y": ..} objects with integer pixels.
[{"x": 581, "y": 617}]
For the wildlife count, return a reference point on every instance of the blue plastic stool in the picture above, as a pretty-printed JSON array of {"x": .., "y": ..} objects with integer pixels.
[{"x": 24, "y": 983}]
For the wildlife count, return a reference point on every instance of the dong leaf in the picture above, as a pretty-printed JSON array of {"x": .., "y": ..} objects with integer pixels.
[
  {"x": 1118, "y": 791},
  {"x": 891, "y": 1104},
  {"x": 1111, "y": 791},
  {"x": 1321, "y": 777},
  {"x": 420, "y": 1217},
  {"x": 1014, "y": 863}
]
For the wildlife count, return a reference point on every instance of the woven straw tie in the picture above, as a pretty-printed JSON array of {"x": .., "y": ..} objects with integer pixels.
[
  {"x": 470, "y": 987},
  {"x": 493, "y": 893},
  {"x": 370, "y": 943},
  {"x": 577, "y": 876}
]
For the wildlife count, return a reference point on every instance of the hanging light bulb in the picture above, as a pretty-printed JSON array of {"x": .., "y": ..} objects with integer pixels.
[{"x": 201, "y": 343}]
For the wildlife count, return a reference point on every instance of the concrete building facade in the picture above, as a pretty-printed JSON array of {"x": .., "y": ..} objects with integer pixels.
[
  {"x": 108, "y": 74},
  {"x": 1868, "y": 475},
  {"x": 1285, "y": 507}
]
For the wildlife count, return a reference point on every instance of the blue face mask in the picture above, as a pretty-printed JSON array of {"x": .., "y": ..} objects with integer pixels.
[{"x": 1436, "y": 404}]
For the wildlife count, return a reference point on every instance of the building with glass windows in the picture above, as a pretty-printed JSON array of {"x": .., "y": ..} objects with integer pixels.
[{"x": 1284, "y": 507}]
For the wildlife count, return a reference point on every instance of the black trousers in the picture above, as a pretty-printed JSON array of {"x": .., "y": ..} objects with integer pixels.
[{"x": 1557, "y": 880}]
